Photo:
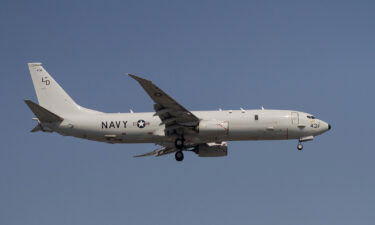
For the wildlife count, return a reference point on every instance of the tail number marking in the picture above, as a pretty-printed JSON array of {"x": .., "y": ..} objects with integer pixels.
[{"x": 46, "y": 81}]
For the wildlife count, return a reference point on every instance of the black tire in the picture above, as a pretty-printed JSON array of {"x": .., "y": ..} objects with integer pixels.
[
  {"x": 179, "y": 156},
  {"x": 300, "y": 147},
  {"x": 179, "y": 143}
]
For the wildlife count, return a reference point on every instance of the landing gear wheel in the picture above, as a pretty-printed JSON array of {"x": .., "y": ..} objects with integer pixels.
[
  {"x": 299, "y": 146},
  {"x": 179, "y": 156},
  {"x": 179, "y": 143}
]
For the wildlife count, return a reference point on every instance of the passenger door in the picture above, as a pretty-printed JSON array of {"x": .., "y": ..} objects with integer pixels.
[{"x": 295, "y": 118}]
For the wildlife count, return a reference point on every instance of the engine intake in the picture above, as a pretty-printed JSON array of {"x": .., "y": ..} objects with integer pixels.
[{"x": 212, "y": 149}]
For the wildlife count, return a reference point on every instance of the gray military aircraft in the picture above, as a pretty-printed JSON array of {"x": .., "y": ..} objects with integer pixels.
[{"x": 171, "y": 126}]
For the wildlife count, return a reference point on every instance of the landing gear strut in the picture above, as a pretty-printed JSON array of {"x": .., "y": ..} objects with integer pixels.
[
  {"x": 179, "y": 156},
  {"x": 179, "y": 143},
  {"x": 299, "y": 146}
]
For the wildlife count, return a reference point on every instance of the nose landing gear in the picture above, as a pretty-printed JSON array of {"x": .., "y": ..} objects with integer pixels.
[{"x": 299, "y": 146}]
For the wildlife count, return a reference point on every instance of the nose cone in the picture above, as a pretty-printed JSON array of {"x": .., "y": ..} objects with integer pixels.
[{"x": 327, "y": 127}]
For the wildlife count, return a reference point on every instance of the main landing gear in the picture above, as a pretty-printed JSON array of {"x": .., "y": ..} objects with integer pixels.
[
  {"x": 179, "y": 156},
  {"x": 179, "y": 144},
  {"x": 299, "y": 146}
]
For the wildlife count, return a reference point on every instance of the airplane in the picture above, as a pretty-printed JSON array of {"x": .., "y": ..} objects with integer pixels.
[{"x": 171, "y": 126}]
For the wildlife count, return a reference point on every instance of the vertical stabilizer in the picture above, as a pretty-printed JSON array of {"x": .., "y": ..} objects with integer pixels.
[{"x": 49, "y": 93}]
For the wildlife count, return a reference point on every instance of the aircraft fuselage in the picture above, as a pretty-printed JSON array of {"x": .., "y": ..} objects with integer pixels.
[
  {"x": 171, "y": 125},
  {"x": 147, "y": 128}
]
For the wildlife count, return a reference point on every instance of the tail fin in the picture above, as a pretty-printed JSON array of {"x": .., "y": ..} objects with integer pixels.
[{"x": 49, "y": 93}]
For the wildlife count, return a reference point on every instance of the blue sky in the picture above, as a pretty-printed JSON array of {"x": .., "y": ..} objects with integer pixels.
[{"x": 312, "y": 56}]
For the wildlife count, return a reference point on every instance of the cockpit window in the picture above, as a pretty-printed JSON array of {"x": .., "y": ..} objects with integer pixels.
[{"x": 311, "y": 117}]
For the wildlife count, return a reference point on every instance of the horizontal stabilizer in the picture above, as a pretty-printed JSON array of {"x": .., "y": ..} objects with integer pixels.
[
  {"x": 44, "y": 115},
  {"x": 37, "y": 128},
  {"x": 159, "y": 152}
]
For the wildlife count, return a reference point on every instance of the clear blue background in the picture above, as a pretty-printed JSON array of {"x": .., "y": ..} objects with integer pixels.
[{"x": 312, "y": 56}]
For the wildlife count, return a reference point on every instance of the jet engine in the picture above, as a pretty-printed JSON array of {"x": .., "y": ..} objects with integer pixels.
[
  {"x": 213, "y": 128},
  {"x": 212, "y": 149}
]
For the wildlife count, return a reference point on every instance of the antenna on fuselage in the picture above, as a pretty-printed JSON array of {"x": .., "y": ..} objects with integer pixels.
[
  {"x": 131, "y": 111},
  {"x": 262, "y": 108}
]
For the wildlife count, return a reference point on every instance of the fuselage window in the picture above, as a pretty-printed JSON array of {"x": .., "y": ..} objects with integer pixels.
[{"x": 256, "y": 117}]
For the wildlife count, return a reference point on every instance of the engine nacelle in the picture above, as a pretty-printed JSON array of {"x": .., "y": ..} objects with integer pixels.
[
  {"x": 213, "y": 128},
  {"x": 212, "y": 149}
]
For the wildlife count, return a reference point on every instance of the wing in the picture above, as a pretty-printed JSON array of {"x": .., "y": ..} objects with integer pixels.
[
  {"x": 175, "y": 117},
  {"x": 159, "y": 152}
]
